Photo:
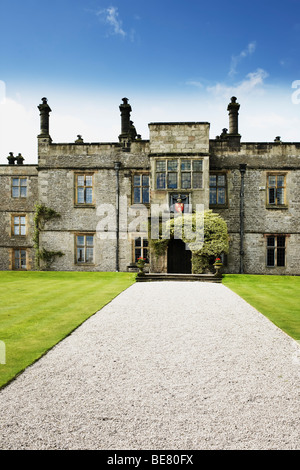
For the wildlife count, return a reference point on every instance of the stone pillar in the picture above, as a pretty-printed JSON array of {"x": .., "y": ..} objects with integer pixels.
[
  {"x": 44, "y": 114},
  {"x": 233, "y": 109}
]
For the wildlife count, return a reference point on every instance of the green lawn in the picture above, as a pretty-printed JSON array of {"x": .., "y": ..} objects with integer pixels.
[
  {"x": 276, "y": 297},
  {"x": 39, "y": 309}
]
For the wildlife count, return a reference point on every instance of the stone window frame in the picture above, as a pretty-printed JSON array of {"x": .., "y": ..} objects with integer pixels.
[
  {"x": 19, "y": 250},
  {"x": 133, "y": 186},
  {"x": 219, "y": 173},
  {"x": 144, "y": 248},
  {"x": 168, "y": 172},
  {"x": 85, "y": 246},
  {"x": 84, "y": 204},
  {"x": 276, "y": 250},
  {"x": 20, "y": 225},
  {"x": 275, "y": 204},
  {"x": 19, "y": 186}
]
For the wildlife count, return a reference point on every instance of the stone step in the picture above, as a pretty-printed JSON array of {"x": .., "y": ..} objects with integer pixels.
[{"x": 177, "y": 277}]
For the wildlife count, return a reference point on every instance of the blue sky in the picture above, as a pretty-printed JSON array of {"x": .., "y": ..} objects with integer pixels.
[{"x": 175, "y": 60}]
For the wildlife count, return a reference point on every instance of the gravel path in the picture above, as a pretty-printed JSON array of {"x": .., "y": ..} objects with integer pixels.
[{"x": 166, "y": 365}]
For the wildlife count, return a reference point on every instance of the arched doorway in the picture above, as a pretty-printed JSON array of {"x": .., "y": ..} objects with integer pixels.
[{"x": 179, "y": 259}]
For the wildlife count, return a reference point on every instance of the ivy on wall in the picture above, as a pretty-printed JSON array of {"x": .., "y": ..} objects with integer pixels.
[
  {"x": 42, "y": 215},
  {"x": 215, "y": 241}
]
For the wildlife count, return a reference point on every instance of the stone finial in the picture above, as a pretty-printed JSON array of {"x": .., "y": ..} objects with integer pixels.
[
  {"x": 79, "y": 139},
  {"x": 20, "y": 159},
  {"x": 11, "y": 159},
  {"x": 277, "y": 139},
  {"x": 45, "y": 110}
]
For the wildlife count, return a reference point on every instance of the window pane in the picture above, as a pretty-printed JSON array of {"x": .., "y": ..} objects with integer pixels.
[
  {"x": 80, "y": 255},
  {"x": 145, "y": 255},
  {"x": 15, "y": 191},
  {"x": 145, "y": 180},
  {"x": 138, "y": 242},
  {"x": 80, "y": 195},
  {"x": 197, "y": 165},
  {"x": 271, "y": 241},
  {"x": 17, "y": 230},
  {"x": 280, "y": 241},
  {"x": 270, "y": 257},
  {"x": 186, "y": 165},
  {"x": 185, "y": 180},
  {"x": 89, "y": 180},
  {"x": 161, "y": 165},
  {"x": 80, "y": 240},
  {"x": 23, "y": 230},
  {"x": 137, "y": 254},
  {"x": 137, "y": 195},
  {"x": 272, "y": 180},
  {"x": 89, "y": 195},
  {"x": 172, "y": 165},
  {"x": 280, "y": 180},
  {"x": 136, "y": 180},
  {"x": 23, "y": 259},
  {"x": 221, "y": 195},
  {"x": 213, "y": 196},
  {"x": 145, "y": 242},
  {"x": 221, "y": 180},
  {"x": 23, "y": 191},
  {"x": 15, "y": 181},
  {"x": 90, "y": 240},
  {"x": 146, "y": 199},
  {"x": 80, "y": 180},
  {"x": 23, "y": 220},
  {"x": 161, "y": 180},
  {"x": 271, "y": 195},
  {"x": 280, "y": 196},
  {"x": 212, "y": 180},
  {"x": 23, "y": 182},
  {"x": 197, "y": 180},
  {"x": 172, "y": 180},
  {"x": 89, "y": 255},
  {"x": 280, "y": 256}
]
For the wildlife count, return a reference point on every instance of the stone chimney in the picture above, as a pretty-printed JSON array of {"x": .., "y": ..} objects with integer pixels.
[
  {"x": 45, "y": 110},
  {"x": 128, "y": 131},
  {"x": 233, "y": 110}
]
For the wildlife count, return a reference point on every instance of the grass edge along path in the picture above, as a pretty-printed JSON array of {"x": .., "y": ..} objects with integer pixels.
[
  {"x": 276, "y": 297},
  {"x": 40, "y": 309}
]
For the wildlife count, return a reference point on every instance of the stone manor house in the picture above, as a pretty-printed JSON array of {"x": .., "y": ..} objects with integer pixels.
[{"x": 253, "y": 186}]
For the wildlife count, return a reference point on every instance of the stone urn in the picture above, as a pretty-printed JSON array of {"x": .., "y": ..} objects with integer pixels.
[{"x": 218, "y": 265}]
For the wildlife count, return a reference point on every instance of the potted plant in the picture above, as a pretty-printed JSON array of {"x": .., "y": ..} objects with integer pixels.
[
  {"x": 140, "y": 264},
  {"x": 218, "y": 265}
]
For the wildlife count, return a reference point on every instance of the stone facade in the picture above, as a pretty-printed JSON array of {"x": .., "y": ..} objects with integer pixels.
[{"x": 102, "y": 191}]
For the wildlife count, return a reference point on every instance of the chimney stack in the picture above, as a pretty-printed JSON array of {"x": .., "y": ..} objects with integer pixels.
[
  {"x": 44, "y": 114},
  {"x": 233, "y": 109},
  {"x": 125, "y": 109}
]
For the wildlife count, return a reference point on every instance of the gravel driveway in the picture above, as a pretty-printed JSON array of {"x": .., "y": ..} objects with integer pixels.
[{"x": 165, "y": 365}]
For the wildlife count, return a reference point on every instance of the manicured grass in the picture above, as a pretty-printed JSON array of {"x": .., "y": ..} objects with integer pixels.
[
  {"x": 39, "y": 309},
  {"x": 276, "y": 297}
]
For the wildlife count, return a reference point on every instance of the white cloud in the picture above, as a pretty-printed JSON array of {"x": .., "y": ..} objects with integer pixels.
[
  {"x": 242, "y": 55},
  {"x": 111, "y": 17},
  {"x": 253, "y": 82}
]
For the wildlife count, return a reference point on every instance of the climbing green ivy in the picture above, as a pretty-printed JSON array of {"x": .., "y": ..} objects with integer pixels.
[
  {"x": 42, "y": 215},
  {"x": 215, "y": 241}
]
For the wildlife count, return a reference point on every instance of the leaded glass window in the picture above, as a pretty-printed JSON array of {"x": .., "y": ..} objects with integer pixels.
[
  {"x": 84, "y": 189},
  {"x": 141, "y": 190},
  {"x": 217, "y": 189},
  {"x": 84, "y": 249},
  {"x": 19, "y": 187},
  {"x": 276, "y": 190}
]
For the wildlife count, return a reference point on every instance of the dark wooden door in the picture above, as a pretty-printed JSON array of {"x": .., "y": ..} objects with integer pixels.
[{"x": 179, "y": 259}]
